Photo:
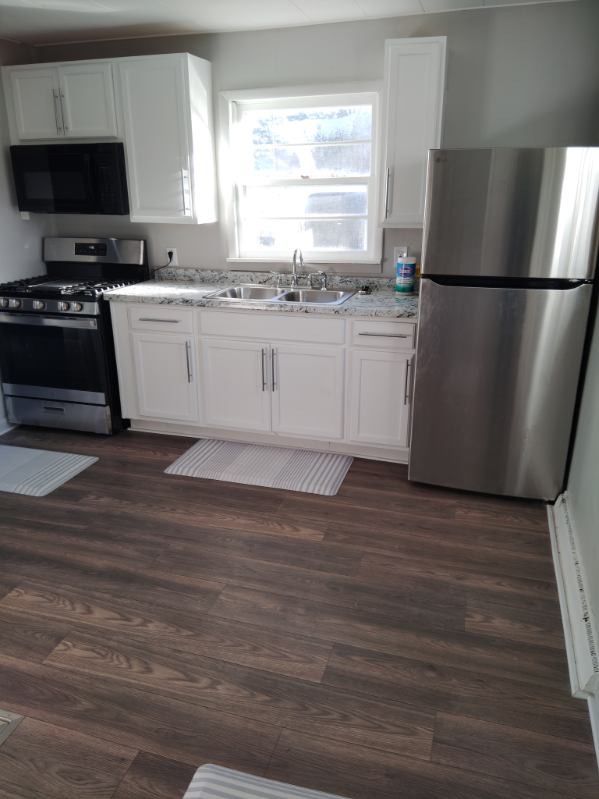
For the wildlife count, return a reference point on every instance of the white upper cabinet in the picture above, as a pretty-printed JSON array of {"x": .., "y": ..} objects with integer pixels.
[
  {"x": 166, "y": 107},
  {"x": 36, "y": 103},
  {"x": 160, "y": 106},
  {"x": 87, "y": 99},
  {"x": 413, "y": 102},
  {"x": 65, "y": 100}
]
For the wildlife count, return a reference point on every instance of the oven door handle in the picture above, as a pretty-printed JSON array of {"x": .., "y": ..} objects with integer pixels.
[{"x": 47, "y": 321}]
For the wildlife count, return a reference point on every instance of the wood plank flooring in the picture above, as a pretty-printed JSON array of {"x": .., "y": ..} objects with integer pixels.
[{"x": 393, "y": 642}]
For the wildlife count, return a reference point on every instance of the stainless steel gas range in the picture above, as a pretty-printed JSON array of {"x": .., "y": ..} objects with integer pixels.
[{"x": 56, "y": 350}]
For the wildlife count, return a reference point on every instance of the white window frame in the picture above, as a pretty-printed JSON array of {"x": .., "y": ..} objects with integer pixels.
[{"x": 307, "y": 96}]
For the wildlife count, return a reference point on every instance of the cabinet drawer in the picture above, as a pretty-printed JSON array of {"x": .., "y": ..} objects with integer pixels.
[
  {"x": 166, "y": 319},
  {"x": 273, "y": 326},
  {"x": 384, "y": 335}
]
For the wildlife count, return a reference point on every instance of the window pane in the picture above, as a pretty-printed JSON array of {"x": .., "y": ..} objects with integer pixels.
[
  {"x": 313, "y": 161},
  {"x": 283, "y": 235},
  {"x": 308, "y": 125},
  {"x": 304, "y": 201}
]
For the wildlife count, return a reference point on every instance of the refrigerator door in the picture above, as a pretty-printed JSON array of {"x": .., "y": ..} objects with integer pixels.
[
  {"x": 496, "y": 378},
  {"x": 512, "y": 213}
]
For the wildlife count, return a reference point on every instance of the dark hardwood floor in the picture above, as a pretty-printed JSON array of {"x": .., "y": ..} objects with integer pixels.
[{"x": 392, "y": 642}]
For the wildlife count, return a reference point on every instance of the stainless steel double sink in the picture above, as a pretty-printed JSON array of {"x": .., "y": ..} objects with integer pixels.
[{"x": 269, "y": 294}]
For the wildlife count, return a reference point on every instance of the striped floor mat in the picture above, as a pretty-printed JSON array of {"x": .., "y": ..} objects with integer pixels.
[
  {"x": 216, "y": 782},
  {"x": 273, "y": 467},
  {"x": 37, "y": 472}
]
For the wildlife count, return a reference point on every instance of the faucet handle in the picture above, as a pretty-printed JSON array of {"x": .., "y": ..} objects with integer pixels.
[{"x": 322, "y": 278}]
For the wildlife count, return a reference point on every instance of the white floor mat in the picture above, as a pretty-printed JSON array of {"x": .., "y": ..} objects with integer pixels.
[
  {"x": 37, "y": 472},
  {"x": 273, "y": 467}
]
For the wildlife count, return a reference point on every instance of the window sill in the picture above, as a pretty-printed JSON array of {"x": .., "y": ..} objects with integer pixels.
[
  {"x": 287, "y": 261},
  {"x": 358, "y": 268}
]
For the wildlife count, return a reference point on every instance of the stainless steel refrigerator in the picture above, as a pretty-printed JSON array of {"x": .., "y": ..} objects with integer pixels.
[{"x": 509, "y": 256}]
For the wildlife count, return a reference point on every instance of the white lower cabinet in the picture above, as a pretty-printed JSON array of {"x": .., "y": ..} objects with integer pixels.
[
  {"x": 235, "y": 384},
  {"x": 379, "y": 397},
  {"x": 341, "y": 385},
  {"x": 308, "y": 390},
  {"x": 165, "y": 376}
]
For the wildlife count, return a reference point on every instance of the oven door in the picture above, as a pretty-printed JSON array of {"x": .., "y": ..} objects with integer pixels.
[{"x": 53, "y": 357}]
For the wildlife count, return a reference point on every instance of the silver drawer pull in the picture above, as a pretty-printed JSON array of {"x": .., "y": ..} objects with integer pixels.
[
  {"x": 263, "y": 369},
  {"x": 188, "y": 361},
  {"x": 386, "y": 335},
  {"x": 150, "y": 319},
  {"x": 406, "y": 395}
]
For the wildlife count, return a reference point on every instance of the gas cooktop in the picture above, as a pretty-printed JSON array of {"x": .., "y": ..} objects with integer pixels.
[{"x": 41, "y": 294}]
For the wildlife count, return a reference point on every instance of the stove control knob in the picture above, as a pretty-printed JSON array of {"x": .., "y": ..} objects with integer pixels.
[
  {"x": 76, "y": 306},
  {"x": 38, "y": 305},
  {"x": 14, "y": 303},
  {"x": 3, "y": 302},
  {"x": 63, "y": 306}
]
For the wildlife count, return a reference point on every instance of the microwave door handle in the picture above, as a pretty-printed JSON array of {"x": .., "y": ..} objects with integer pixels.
[
  {"x": 59, "y": 128},
  {"x": 63, "y": 116}
]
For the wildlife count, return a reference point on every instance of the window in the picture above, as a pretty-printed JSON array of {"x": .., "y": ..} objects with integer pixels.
[{"x": 303, "y": 175}]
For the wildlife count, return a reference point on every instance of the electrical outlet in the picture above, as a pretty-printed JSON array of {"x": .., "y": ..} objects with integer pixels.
[
  {"x": 174, "y": 260},
  {"x": 400, "y": 251}
]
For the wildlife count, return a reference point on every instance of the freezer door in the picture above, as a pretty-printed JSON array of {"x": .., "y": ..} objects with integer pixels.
[
  {"x": 512, "y": 213},
  {"x": 496, "y": 377}
]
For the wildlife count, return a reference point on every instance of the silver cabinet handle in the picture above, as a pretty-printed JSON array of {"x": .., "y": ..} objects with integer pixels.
[
  {"x": 188, "y": 361},
  {"x": 185, "y": 189},
  {"x": 406, "y": 394},
  {"x": 62, "y": 113},
  {"x": 59, "y": 129},
  {"x": 387, "y": 179},
  {"x": 263, "y": 369},
  {"x": 152, "y": 319},
  {"x": 385, "y": 335},
  {"x": 273, "y": 355}
]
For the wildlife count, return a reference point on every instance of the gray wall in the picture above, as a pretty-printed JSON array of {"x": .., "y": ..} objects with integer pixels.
[
  {"x": 20, "y": 250},
  {"x": 583, "y": 483},
  {"x": 20, "y": 254},
  {"x": 516, "y": 76}
]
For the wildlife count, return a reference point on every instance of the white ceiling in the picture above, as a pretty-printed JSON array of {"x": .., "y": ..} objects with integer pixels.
[{"x": 52, "y": 21}]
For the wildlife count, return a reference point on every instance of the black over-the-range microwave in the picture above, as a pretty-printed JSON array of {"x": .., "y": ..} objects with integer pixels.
[{"x": 71, "y": 178}]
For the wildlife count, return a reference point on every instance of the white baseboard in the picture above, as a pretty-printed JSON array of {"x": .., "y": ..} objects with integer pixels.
[
  {"x": 579, "y": 631},
  {"x": 594, "y": 714},
  {"x": 377, "y": 453},
  {"x": 580, "y": 635}
]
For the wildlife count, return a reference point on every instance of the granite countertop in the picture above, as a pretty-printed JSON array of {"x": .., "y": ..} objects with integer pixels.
[{"x": 192, "y": 290}]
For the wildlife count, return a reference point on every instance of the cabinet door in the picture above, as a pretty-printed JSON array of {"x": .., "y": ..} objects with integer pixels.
[
  {"x": 87, "y": 98},
  {"x": 414, "y": 86},
  {"x": 36, "y": 101},
  {"x": 165, "y": 376},
  {"x": 307, "y": 386},
  {"x": 235, "y": 384},
  {"x": 379, "y": 402},
  {"x": 155, "y": 116}
]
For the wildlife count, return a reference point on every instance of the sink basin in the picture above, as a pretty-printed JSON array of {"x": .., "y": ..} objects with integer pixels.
[
  {"x": 315, "y": 296},
  {"x": 247, "y": 293}
]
